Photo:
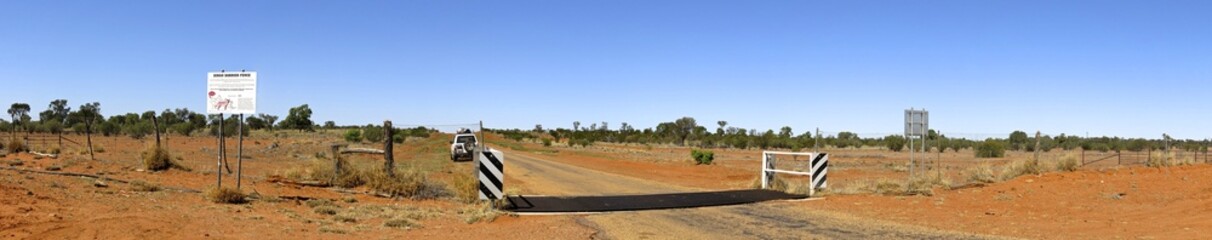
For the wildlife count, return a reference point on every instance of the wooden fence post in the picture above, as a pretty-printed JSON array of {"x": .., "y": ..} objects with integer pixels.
[
  {"x": 389, "y": 161},
  {"x": 336, "y": 167},
  {"x": 155, "y": 125}
]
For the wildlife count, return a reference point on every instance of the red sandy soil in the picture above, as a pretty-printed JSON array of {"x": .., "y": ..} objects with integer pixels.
[{"x": 40, "y": 206}]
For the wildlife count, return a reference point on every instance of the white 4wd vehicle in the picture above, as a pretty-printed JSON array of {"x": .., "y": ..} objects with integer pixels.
[{"x": 463, "y": 146}]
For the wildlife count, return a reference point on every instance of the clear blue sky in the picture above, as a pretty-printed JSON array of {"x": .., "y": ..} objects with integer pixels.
[{"x": 1126, "y": 68}]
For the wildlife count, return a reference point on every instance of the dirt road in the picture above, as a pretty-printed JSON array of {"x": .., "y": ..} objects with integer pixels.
[{"x": 770, "y": 220}]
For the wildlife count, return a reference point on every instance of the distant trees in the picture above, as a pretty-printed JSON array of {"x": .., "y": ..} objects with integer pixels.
[
  {"x": 299, "y": 118},
  {"x": 271, "y": 119},
  {"x": 20, "y": 116},
  {"x": 991, "y": 148}
]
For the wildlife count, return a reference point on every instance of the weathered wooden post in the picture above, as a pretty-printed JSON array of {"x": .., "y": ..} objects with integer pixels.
[
  {"x": 389, "y": 161},
  {"x": 336, "y": 165},
  {"x": 155, "y": 125}
]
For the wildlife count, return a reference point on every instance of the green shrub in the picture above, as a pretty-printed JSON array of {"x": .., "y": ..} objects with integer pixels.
[
  {"x": 372, "y": 134},
  {"x": 353, "y": 135},
  {"x": 991, "y": 149},
  {"x": 896, "y": 143},
  {"x": 546, "y": 142},
  {"x": 702, "y": 157}
]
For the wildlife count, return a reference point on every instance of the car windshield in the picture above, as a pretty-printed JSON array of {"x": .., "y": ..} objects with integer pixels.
[{"x": 466, "y": 139}]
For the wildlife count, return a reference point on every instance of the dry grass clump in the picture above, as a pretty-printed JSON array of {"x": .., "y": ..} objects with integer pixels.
[
  {"x": 326, "y": 210},
  {"x": 466, "y": 188},
  {"x": 980, "y": 174},
  {"x": 404, "y": 223},
  {"x": 1021, "y": 167},
  {"x": 142, "y": 186},
  {"x": 1068, "y": 163},
  {"x": 225, "y": 195},
  {"x": 409, "y": 183},
  {"x": 1163, "y": 159},
  {"x": 16, "y": 145},
  {"x": 156, "y": 158},
  {"x": 479, "y": 212}
]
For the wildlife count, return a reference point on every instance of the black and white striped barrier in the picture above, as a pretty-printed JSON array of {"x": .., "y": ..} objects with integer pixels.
[
  {"x": 818, "y": 169},
  {"x": 490, "y": 170}
]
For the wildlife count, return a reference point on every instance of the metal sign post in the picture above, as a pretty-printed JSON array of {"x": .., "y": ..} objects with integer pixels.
[{"x": 917, "y": 124}]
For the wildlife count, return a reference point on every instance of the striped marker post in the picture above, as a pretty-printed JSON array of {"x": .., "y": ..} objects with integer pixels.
[
  {"x": 820, "y": 168},
  {"x": 490, "y": 170}
]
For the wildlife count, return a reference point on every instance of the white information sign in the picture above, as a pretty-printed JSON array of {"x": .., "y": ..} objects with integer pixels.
[{"x": 231, "y": 92}]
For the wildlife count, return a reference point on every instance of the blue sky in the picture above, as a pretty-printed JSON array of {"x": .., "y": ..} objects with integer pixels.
[{"x": 1124, "y": 68}]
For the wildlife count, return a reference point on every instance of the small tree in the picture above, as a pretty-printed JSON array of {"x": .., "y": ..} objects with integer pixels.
[
  {"x": 299, "y": 118},
  {"x": 1018, "y": 140},
  {"x": 88, "y": 114},
  {"x": 18, "y": 111}
]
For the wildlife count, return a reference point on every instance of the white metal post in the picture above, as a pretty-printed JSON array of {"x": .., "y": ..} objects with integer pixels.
[{"x": 764, "y": 183}]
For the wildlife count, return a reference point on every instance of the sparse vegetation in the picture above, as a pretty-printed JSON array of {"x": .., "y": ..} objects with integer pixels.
[
  {"x": 353, "y": 135},
  {"x": 980, "y": 174},
  {"x": 156, "y": 158},
  {"x": 479, "y": 212},
  {"x": 225, "y": 195},
  {"x": 702, "y": 157},
  {"x": 143, "y": 186},
  {"x": 1020, "y": 168},
  {"x": 466, "y": 188},
  {"x": 16, "y": 146},
  {"x": 991, "y": 149},
  {"x": 1068, "y": 163}
]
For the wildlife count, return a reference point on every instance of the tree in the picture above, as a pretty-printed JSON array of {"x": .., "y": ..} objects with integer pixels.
[
  {"x": 538, "y": 128},
  {"x": 1018, "y": 140},
  {"x": 785, "y": 132},
  {"x": 255, "y": 123},
  {"x": 576, "y": 126},
  {"x": 17, "y": 111},
  {"x": 330, "y": 124},
  {"x": 270, "y": 119},
  {"x": 88, "y": 114},
  {"x": 299, "y": 118},
  {"x": 59, "y": 111},
  {"x": 720, "y": 131},
  {"x": 372, "y": 133}
]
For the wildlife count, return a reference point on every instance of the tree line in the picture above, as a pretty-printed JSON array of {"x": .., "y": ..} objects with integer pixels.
[
  {"x": 686, "y": 131},
  {"x": 59, "y": 118}
]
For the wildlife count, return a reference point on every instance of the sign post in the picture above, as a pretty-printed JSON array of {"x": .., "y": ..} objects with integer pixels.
[
  {"x": 917, "y": 124},
  {"x": 231, "y": 93}
]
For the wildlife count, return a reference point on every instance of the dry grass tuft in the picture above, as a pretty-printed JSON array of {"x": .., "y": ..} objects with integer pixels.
[
  {"x": 479, "y": 212},
  {"x": 400, "y": 223},
  {"x": 466, "y": 188},
  {"x": 1068, "y": 163},
  {"x": 15, "y": 146},
  {"x": 1021, "y": 167},
  {"x": 156, "y": 158},
  {"x": 409, "y": 183},
  {"x": 980, "y": 174},
  {"x": 142, "y": 186},
  {"x": 225, "y": 195},
  {"x": 326, "y": 210}
]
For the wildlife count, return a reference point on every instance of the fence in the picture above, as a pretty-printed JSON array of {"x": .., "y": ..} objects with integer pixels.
[{"x": 44, "y": 142}]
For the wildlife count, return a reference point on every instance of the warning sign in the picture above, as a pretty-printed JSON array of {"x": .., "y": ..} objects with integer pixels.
[{"x": 231, "y": 92}]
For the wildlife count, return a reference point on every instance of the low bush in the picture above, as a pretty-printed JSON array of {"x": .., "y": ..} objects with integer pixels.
[
  {"x": 353, "y": 135},
  {"x": 991, "y": 149},
  {"x": 142, "y": 186},
  {"x": 546, "y": 142},
  {"x": 702, "y": 157},
  {"x": 408, "y": 184},
  {"x": 399, "y": 223},
  {"x": 225, "y": 195}
]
